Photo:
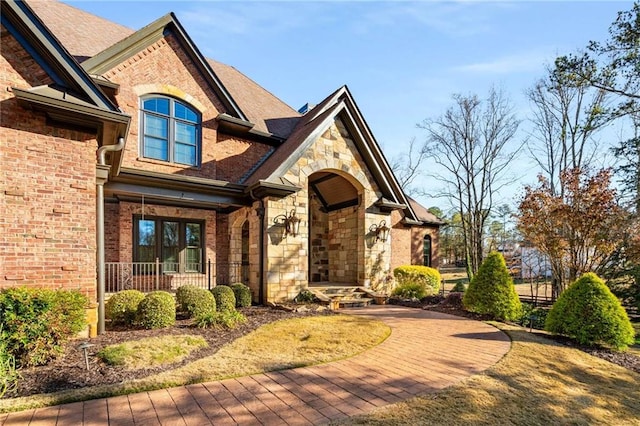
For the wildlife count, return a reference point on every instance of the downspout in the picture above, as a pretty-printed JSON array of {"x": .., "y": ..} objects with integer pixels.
[
  {"x": 102, "y": 175},
  {"x": 261, "y": 213}
]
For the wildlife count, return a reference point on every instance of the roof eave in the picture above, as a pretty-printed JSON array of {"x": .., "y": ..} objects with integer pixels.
[
  {"x": 263, "y": 188},
  {"x": 245, "y": 129}
]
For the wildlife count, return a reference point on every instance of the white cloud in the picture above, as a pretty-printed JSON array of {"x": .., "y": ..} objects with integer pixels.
[
  {"x": 453, "y": 19},
  {"x": 517, "y": 63}
]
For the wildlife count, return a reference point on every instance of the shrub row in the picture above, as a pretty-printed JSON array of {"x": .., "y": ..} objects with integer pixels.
[
  {"x": 158, "y": 309},
  {"x": 587, "y": 311}
]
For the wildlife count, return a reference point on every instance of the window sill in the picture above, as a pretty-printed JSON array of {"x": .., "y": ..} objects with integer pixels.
[{"x": 167, "y": 163}]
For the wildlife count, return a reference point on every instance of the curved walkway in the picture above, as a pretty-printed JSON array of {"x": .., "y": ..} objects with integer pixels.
[{"x": 426, "y": 351}]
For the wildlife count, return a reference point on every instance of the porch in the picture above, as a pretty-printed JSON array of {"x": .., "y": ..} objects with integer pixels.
[{"x": 168, "y": 276}]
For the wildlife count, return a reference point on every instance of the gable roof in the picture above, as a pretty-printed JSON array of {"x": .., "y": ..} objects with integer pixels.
[
  {"x": 339, "y": 104},
  {"x": 86, "y": 35},
  {"x": 424, "y": 215}
]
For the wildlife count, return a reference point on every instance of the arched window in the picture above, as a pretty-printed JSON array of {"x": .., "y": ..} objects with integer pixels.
[
  {"x": 426, "y": 250},
  {"x": 170, "y": 131}
]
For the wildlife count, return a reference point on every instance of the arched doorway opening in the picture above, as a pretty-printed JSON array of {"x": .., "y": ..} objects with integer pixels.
[
  {"x": 335, "y": 252},
  {"x": 244, "y": 250}
]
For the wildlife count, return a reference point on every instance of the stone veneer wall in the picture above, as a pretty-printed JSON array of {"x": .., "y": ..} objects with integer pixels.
[
  {"x": 343, "y": 245},
  {"x": 287, "y": 259},
  {"x": 236, "y": 221},
  {"x": 319, "y": 248}
]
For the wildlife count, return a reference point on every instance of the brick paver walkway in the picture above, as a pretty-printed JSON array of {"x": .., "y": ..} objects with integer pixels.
[{"x": 427, "y": 351}]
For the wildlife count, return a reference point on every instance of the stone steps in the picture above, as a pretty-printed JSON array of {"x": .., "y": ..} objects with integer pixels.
[{"x": 347, "y": 296}]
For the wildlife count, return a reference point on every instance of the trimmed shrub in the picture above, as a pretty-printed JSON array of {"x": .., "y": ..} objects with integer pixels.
[
  {"x": 459, "y": 287},
  {"x": 410, "y": 291},
  {"x": 588, "y": 312},
  {"x": 427, "y": 277},
  {"x": 533, "y": 317},
  {"x": 156, "y": 310},
  {"x": 121, "y": 308},
  {"x": 242, "y": 294},
  {"x": 225, "y": 299},
  {"x": 491, "y": 291},
  {"x": 37, "y": 322},
  {"x": 227, "y": 319},
  {"x": 194, "y": 301}
]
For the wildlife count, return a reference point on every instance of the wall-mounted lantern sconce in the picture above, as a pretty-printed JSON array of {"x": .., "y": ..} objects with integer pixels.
[
  {"x": 381, "y": 231},
  {"x": 290, "y": 221}
]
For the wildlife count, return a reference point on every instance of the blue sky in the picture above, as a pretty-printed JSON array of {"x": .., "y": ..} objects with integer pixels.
[{"x": 401, "y": 60}]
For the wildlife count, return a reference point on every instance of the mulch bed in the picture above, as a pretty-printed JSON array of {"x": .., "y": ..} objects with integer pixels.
[
  {"x": 453, "y": 306},
  {"x": 69, "y": 370}
]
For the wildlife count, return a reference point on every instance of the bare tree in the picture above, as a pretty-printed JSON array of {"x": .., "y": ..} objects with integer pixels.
[
  {"x": 567, "y": 114},
  {"x": 407, "y": 167},
  {"x": 470, "y": 144}
]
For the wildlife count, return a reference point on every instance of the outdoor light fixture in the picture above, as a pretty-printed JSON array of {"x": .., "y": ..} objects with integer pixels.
[
  {"x": 290, "y": 221},
  {"x": 381, "y": 231}
]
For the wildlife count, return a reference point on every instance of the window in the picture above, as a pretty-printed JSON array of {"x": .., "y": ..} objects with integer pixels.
[
  {"x": 426, "y": 251},
  {"x": 170, "y": 131},
  {"x": 177, "y": 243}
]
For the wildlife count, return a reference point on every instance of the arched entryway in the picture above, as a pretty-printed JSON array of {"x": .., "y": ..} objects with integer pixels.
[{"x": 335, "y": 237}]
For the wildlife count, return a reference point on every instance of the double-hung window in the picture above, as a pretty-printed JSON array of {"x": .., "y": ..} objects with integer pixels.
[
  {"x": 177, "y": 243},
  {"x": 170, "y": 131}
]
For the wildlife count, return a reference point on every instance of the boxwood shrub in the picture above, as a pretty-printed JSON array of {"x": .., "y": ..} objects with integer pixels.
[
  {"x": 156, "y": 310},
  {"x": 491, "y": 291},
  {"x": 194, "y": 301},
  {"x": 588, "y": 312},
  {"x": 225, "y": 299},
  {"x": 37, "y": 322},
  {"x": 242, "y": 294},
  {"x": 121, "y": 307},
  {"x": 410, "y": 277}
]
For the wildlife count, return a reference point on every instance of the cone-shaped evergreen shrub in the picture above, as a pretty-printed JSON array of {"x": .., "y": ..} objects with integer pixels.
[
  {"x": 588, "y": 312},
  {"x": 491, "y": 291}
]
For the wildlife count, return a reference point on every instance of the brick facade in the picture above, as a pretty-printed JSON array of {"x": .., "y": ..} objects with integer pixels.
[{"x": 47, "y": 189}]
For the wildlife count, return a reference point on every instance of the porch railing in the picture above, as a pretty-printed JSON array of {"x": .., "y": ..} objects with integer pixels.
[{"x": 150, "y": 276}]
